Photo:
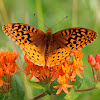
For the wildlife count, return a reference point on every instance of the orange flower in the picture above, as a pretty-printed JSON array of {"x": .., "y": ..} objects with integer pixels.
[
  {"x": 7, "y": 62},
  {"x": 63, "y": 85},
  {"x": 57, "y": 70},
  {"x": 78, "y": 54},
  {"x": 2, "y": 82},
  {"x": 42, "y": 73},
  {"x": 77, "y": 64},
  {"x": 64, "y": 72},
  {"x": 7, "y": 66}
]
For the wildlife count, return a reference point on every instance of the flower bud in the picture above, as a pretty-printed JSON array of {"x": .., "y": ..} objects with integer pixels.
[
  {"x": 92, "y": 62},
  {"x": 89, "y": 57},
  {"x": 97, "y": 57},
  {"x": 97, "y": 66}
]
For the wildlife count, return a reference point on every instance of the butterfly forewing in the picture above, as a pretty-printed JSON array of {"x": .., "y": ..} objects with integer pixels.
[
  {"x": 30, "y": 39},
  {"x": 67, "y": 41},
  {"x": 75, "y": 38}
]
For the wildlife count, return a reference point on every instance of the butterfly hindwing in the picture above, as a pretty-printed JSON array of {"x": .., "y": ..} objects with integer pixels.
[{"x": 57, "y": 54}]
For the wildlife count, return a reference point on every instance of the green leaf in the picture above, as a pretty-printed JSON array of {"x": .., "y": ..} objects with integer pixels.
[
  {"x": 54, "y": 83},
  {"x": 72, "y": 95},
  {"x": 4, "y": 96},
  {"x": 37, "y": 85},
  {"x": 17, "y": 90},
  {"x": 98, "y": 85},
  {"x": 78, "y": 82},
  {"x": 40, "y": 85}
]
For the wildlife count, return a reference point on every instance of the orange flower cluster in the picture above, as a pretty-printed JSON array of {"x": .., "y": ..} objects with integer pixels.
[
  {"x": 7, "y": 66},
  {"x": 64, "y": 72}
]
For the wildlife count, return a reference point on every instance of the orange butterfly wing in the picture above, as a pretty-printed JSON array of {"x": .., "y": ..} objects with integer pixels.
[
  {"x": 64, "y": 43},
  {"x": 67, "y": 41},
  {"x": 30, "y": 39}
]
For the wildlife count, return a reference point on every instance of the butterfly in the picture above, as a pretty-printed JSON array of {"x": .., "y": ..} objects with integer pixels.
[{"x": 48, "y": 49}]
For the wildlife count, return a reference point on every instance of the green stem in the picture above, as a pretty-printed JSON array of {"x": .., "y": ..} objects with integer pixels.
[
  {"x": 74, "y": 13},
  {"x": 39, "y": 14},
  {"x": 3, "y": 11}
]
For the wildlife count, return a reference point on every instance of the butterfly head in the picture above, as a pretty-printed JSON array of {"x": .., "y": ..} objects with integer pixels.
[
  {"x": 49, "y": 30},
  {"x": 49, "y": 35}
]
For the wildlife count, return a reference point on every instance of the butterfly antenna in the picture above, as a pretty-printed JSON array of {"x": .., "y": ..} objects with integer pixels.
[
  {"x": 59, "y": 21},
  {"x": 40, "y": 20}
]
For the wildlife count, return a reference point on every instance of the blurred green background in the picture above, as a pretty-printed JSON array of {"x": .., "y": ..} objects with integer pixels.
[{"x": 81, "y": 13}]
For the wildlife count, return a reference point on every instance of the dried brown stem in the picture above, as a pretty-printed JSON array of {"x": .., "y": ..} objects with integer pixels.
[
  {"x": 39, "y": 96},
  {"x": 82, "y": 90}
]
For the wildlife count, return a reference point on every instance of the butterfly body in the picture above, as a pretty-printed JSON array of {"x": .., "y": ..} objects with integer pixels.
[
  {"x": 48, "y": 49},
  {"x": 48, "y": 41}
]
